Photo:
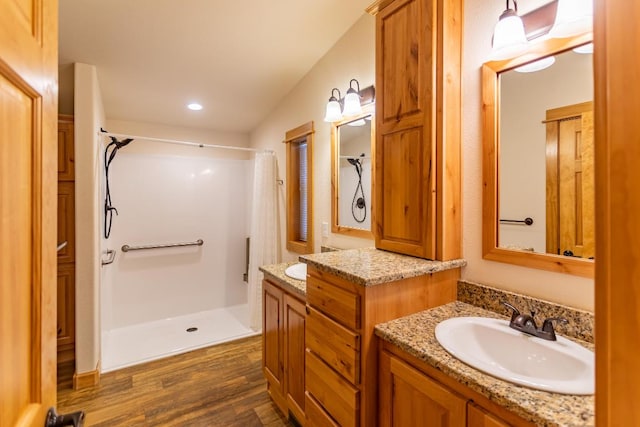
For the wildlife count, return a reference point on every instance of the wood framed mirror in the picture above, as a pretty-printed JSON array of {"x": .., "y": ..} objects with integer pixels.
[
  {"x": 537, "y": 212},
  {"x": 352, "y": 153}
]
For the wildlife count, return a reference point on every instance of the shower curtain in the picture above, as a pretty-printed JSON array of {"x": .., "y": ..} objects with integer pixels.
[{"x": 264, "y": 230}]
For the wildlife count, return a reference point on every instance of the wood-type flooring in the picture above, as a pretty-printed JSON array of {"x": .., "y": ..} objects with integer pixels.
[{"x": 221, "y": 385}]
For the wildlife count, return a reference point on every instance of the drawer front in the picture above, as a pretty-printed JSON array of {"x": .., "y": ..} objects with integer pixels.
[
  {"x": 336, "y": 345},
  {"x": 316, "y": 416},
  {"x": 335, "y": 394},
  {"x": 335, "y": 302}
]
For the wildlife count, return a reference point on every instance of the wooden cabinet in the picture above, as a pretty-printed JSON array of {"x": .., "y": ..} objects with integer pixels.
[
  {"x": 294, "y": 348},
  {"x": 417, "y": 162},
  {"x": 478, "y": 417},
  {"x": 341, "y": 355},
  {"x": 410, "y": 396},
  {"x": 66, "y": 233},
  {"x": 283, "y": 349}
]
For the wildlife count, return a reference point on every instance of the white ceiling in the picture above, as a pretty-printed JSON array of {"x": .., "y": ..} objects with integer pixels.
[{"x": 238, "y": 58}]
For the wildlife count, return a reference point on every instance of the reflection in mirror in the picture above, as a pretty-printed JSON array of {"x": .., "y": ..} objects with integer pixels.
[
  {"x": 352, "y": 166},
  {"x": 546, "y": 158},
  {"x": 538, "y": 196}
]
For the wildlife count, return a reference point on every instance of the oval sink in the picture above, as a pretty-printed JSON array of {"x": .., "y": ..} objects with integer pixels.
[
  {"x": 491, "y": 346},
  {"x": 297, "y": 271}
]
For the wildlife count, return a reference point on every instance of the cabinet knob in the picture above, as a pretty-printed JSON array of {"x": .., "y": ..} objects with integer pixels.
[{"x": 307, "y": 309}]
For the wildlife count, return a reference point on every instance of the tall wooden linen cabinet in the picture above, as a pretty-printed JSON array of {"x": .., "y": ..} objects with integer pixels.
[
  {"x": 418, "y": 111},
  {"x": 66, "y": 233}
]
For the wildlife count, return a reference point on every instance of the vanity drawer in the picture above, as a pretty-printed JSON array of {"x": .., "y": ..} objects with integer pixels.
[
  {"x": 334, "y": 301},
  {"x": 334, "y": 344},
  {"x": 334, "y": 393},
  {"x": 316, "y": 416}
]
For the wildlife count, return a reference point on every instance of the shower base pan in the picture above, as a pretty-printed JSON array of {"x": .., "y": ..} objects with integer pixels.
[{"x": 145, "y": 342}]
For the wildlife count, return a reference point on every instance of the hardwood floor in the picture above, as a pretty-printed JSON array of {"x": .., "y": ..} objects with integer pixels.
[{"x": 217, "y": 386}]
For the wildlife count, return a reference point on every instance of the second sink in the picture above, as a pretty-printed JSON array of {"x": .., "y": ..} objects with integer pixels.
[
  {"x": 489, "y": 345},
  {"x": 297, "y": 271}
]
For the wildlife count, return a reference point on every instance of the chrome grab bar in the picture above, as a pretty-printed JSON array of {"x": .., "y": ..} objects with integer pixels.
[
  {"x": 111, "y": 256},
  {"x": 127, "y": 248}
]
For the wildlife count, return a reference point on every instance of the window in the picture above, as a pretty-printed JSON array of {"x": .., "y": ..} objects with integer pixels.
[{"x": 299, "y": 189}]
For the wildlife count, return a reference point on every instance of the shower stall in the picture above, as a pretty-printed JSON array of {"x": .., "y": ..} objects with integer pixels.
[{"x": 179, "y": 230}]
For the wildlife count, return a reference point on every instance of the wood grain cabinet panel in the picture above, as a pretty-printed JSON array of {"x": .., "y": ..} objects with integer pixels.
[
  {"x": 316, "y": 416},
  {"x": 478, "y": 417},
  {"x": 294, "y": 348},
  {"x": 66, "y": 256},
  {"x": 272, "y": 356},
  {"x": 335, "y": 301},
  {"x": 417, "y": 164},
  {"x": 336, "y": 345},
  {"x": 66, "y": 168},
  {"x": 66, "y": 222},
  {"x": 409, "y": 398},
  {"x": 283, "y": 349},
  {"x": 332, "y": 391},
  {"x": 66, "y": 305}
]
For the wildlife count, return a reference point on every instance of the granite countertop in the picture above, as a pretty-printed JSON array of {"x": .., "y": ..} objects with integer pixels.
[
  {"x": 415, "y": 335},
  {"x": 275, "y": 272},
  {"x": 371, "y": 266}
]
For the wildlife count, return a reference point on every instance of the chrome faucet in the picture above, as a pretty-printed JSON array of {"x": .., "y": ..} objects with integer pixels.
[{"x": 526, "y": 323}]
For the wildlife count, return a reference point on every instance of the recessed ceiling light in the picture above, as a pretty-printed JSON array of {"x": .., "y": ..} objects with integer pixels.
[{"x": 194, "y": 106}]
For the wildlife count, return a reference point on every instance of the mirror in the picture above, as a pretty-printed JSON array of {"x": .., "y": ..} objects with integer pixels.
[
  {"x": 538, "y": 198},
  {"x": 351, "y": 167}
]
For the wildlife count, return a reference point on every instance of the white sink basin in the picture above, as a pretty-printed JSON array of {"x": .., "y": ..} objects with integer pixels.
[
  {"x": 297, "y": 271},
  {"x": 491, "y": 346}
]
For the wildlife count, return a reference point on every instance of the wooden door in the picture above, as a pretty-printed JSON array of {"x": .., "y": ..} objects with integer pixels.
[
  {"x": 404, "y": 172},
  {"x": 294, "y": 347},
  {"x": 570, "y": 181},
  {"x": 28, "y": 167},
  {"x": 409, "y": 398},
  {"x": 272, "y": 344}
]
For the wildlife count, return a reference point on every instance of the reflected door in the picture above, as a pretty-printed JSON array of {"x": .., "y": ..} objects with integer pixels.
[{"x": 570, "y": 181}]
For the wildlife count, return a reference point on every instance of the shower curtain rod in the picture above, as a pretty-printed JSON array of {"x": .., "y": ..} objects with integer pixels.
[{"x": 175, "y": 141}]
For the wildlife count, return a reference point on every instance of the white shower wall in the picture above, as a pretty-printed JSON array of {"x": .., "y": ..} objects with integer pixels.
[{"x": 167, "y": 199}]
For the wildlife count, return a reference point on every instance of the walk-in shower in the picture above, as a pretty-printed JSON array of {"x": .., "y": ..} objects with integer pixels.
[{"x": 180, "y": 237}]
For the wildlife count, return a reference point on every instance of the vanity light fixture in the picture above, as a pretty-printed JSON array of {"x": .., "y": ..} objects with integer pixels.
[
  {"x": 352, "y": 105},
  {"x": 574, "y": 17},
  {"x": 538, "y": 65},
  {"x": 352, "y": 102},
  {"x": 509, "y": 39},
  {"x": 333, "y": 112}
]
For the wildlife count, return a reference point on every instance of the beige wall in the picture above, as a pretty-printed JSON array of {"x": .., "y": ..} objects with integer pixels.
[
  {"x": 353, "y": 56},
  {"x": 480, "y": 17},
  {"x": 89, "y": 117}
]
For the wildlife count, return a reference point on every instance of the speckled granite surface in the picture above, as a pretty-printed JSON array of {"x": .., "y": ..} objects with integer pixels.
[
  {"x": 415, "y": 335},
  {"x": 275, "y": 272},
  {"x": 581, "y": 323},
  {"x": 371, "y": 266}
]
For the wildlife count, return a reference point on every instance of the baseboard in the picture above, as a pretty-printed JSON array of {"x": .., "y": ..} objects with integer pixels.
[{"x": 87, "y": 379}]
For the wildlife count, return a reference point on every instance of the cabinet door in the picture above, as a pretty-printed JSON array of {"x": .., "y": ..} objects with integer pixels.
[
  {"x": 66, "y": 222},
  {"x": 405, "y": 128},
  {"x": 294, "y": 347},
  {"x": 410, "y": 398},
  {"x": 66, "y": 169},
  {"x": 272, "y": 334},
  {"x": 478, "y": 417},
  {"x": 66, "y": 305}
]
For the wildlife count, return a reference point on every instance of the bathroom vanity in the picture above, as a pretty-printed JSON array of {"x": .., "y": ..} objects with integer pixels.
[{"x": 347, "y": 294}]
